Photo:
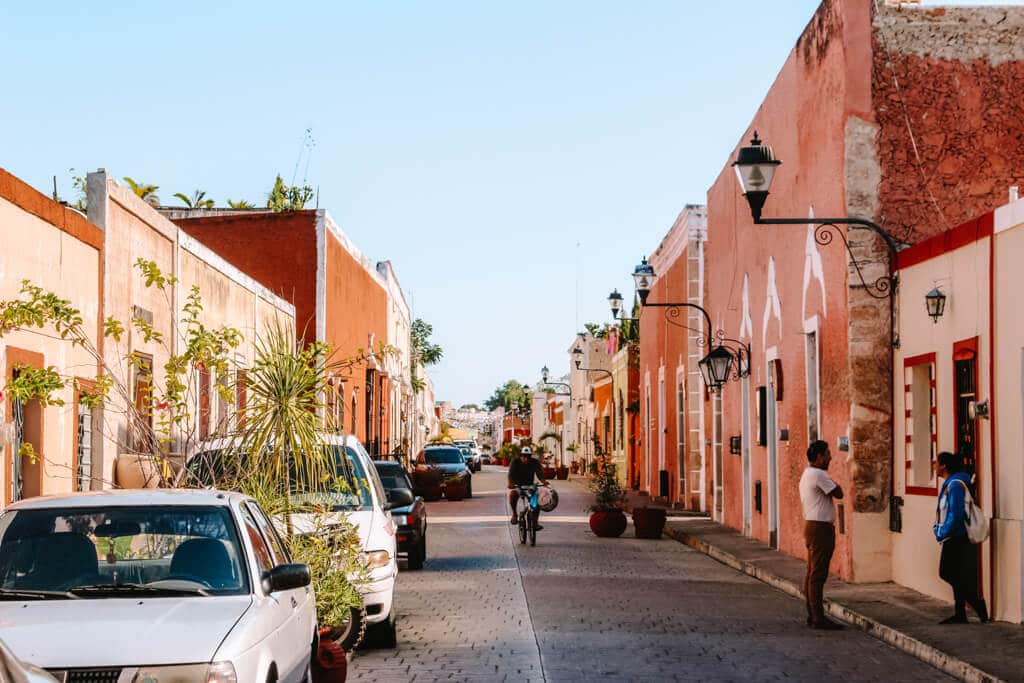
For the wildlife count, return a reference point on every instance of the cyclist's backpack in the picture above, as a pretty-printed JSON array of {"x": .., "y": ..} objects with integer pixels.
[{"x": 547, "y": 498}]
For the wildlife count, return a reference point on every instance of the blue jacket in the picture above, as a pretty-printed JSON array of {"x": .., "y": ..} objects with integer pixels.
[{"x": 950, "y": 515}]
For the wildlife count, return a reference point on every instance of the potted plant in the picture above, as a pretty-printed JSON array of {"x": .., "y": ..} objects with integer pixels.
[
  {"x": 648, "y": 522},
  {"x": 573, "y": 465},
  {"x": 455, "y": 488},
  {"x": 427, "y": 482},
  {"x": 562, "y": 472},
  {"x": 607, "y": 518}
]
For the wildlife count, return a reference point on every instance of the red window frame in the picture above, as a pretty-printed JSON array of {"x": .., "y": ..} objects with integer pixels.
[{"x": 912, "y": 361}]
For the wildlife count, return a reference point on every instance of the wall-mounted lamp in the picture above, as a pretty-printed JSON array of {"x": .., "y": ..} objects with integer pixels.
[{"x": 935, "y": 302}]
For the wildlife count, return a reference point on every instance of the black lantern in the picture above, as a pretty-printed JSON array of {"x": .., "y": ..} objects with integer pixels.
[
  {"x": 577, "y": 355},
  {"x": 715, "y": 367},
  {"x": 643, "y": 276},
  {"x": 935, "y": 302},
  {"x": 755, "y": 167},
  {"x": 615, "y": 303},
  {"x": 544, "y": 374}
]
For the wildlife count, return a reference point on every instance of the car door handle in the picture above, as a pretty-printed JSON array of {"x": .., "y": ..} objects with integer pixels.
[{"x": 295, "y": 603}]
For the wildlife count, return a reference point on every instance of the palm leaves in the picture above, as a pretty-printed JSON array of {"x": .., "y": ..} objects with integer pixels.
[
  {"x": 240, "y": 204},
  {"x": 144, "y": 191},
  {"x": 198, "y": 200}
]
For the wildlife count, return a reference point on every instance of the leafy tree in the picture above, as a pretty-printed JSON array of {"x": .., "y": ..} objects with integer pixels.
[
  {"x": 284, "y": 197},
  {"x": 511, "y": 393},
  {"x": 424, "y": 352},
  {"x": 144, "y": 191},
  {"x": 630, "y": 329},
  {"x": 470, "y": 406},
  {"x": 78, "y": 183},
  {"x": 240, "y": 204},
  {"x": 596, "y": 331},
  {"x": 198, "y": 200}
]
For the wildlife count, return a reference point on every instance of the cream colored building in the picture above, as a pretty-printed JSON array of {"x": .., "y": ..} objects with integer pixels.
[{"x": 949, "y": 370}]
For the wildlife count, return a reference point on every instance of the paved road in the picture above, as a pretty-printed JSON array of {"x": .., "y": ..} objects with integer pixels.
[{"x": 581, "y": 608}]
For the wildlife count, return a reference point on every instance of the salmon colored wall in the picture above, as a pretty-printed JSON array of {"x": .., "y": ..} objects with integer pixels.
[
  {"x": 356, "y": 307},
  {"x": 277, "y": 249},
  {"x": 804, "y": 118},
  {"x": 663, "y": 342}
]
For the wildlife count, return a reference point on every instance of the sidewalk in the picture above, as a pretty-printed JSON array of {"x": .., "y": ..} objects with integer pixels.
[{"x": 897, "y": 615}]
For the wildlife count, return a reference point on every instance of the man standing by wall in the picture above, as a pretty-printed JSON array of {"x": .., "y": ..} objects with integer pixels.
[{"x": 816, "y": 493}]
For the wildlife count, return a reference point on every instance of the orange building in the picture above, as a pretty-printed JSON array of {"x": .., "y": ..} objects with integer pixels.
[{"x": 339, "y": 297}]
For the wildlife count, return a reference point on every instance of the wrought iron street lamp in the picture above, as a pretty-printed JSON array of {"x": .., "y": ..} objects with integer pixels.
[
  {"x": 713, "y": 368},
  {"x": 755, "y": 168}
]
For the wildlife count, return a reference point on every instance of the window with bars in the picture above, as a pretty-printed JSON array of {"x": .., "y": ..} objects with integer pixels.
[{"x": 83, "y": 468}]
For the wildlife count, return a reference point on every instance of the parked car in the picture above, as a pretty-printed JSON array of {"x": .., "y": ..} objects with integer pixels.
[
  {"x": 16, "y": 671},
  {"x": 450, "y": 461},
  {"x": 410, "y": 519},
  {"x": 366, "y": 506},
  {"x": 147, "y": 585},
  {"x": 473, "y": 462}
]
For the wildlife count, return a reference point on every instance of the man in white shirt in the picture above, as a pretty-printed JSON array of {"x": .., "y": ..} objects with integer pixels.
[{"x": 816, "y": 493}]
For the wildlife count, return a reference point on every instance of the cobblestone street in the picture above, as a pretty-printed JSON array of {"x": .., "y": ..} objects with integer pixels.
[{"x": 580, "y": 608}]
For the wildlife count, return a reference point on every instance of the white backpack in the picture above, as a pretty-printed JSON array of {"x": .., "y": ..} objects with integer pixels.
[{"x": 976, "y": 521}]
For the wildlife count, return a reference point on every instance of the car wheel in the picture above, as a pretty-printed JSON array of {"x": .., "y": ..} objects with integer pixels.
[
  {"x": 417, "y": 555},
  {"x": 350, "y": 634},
  {"x": 469, "y": 489},
  {"x": 384, "y": 634}
]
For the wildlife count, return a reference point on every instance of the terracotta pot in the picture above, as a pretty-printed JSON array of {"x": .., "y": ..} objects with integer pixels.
[
  {"x": 135, "y": 471},
  {"x": 608, "y": 523},
  {"x": 574, "y": 468},
  {"x": 648, "y": 522},
  {"x": 549, "y": 472},
  {"x": 562, "y": 472},
  {"x": 431, "y": 492},
  {"x": 330, "y": 664}
]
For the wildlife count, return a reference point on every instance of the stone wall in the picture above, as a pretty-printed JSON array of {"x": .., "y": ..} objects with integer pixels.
[{"x": 948, "y": 91}]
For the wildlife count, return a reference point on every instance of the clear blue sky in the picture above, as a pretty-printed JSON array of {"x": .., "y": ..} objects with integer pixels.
[{"x": 473, "y": 144}]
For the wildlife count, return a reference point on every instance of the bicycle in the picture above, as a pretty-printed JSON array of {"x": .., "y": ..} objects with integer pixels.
[{"x": 527, "y": 513}]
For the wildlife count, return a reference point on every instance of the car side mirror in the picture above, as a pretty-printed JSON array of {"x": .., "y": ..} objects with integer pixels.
[
  {"x": 399, "y": 498},
  {"x": 286, "y": 577}
]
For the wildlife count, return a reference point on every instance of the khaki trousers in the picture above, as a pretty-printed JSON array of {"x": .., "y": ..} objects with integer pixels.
[{"x": 820, "y": 538}]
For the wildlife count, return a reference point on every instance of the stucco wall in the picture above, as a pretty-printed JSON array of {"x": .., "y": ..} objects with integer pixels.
[{"x": 58, "y": 250}]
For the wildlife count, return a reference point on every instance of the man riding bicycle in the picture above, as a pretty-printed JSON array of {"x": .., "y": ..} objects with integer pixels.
[{"x": 521, "y": 472}]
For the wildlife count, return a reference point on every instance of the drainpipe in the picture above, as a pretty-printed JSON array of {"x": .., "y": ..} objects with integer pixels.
[{"x": 992, "y": 419}]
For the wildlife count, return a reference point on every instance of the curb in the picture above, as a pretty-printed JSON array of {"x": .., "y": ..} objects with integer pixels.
[{"x": 897, "y": 639}]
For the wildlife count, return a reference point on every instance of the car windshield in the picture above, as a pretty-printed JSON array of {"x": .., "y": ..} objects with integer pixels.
[
  {"x": 104, "y": 552},
  {"x": 350, "y": 492},
  {"x": 443, "y": 456},
  {"x": 392, "y": 477}
]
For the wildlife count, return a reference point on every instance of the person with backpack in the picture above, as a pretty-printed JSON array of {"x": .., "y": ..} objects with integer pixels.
[{"x": 958, "y": 563}]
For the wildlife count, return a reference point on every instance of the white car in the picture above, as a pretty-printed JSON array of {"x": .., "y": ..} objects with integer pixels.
[
  {"x": 153, "y": 585},
  {"x": 366, "y": 506}
]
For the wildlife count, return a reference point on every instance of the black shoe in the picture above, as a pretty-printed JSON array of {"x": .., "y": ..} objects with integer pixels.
[
  {"x": 537, "y": 527},
  {"x": 514, "y": 520},
  {"x": 955, "y": 619},
  {"x": 981, "y": 610},
  {"x": 827, "y": 625}
]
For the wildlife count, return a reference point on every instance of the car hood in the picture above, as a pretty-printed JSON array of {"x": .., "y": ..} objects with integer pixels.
[
  {"x": 119, "y": 631},
  {"x": 450, "y": 469},
  {"x": 362, "y": 520}
]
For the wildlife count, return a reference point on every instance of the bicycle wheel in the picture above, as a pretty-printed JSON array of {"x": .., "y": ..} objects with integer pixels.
[{"x": 522, "y": 527}]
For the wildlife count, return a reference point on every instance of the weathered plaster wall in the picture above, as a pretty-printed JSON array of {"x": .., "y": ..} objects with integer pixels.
[
  {"x": 60, "y": 251},
  {"x": 948, "y": 91}
]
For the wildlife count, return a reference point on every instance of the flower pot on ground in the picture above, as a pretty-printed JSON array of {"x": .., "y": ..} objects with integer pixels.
[
  {"x": 574, "y": 467},
  {"x": 648, "y": 522},
  {"x": 135, "y": 471},
  {"x": 562, "y": 472},
  {"x": 548, "y": 472},
  {"x": 608, "y": 523},
  {"x": 455, "y": 489},
  {"x": 607, "y": 518}
]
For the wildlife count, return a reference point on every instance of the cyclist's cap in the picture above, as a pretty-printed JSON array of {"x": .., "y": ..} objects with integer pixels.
[{"x": 526, "y": 451}]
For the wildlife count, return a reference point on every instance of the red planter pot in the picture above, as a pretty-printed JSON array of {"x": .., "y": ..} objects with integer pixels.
[
  {"x": 608, "y": 523},
  {"x": 548, "y": 472},
  {"x": 330, "y": 664},
  {"x": 562, "y": 472},
  {"x": 574, "y": 468},
  {"x": 648, "y": 522}
]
